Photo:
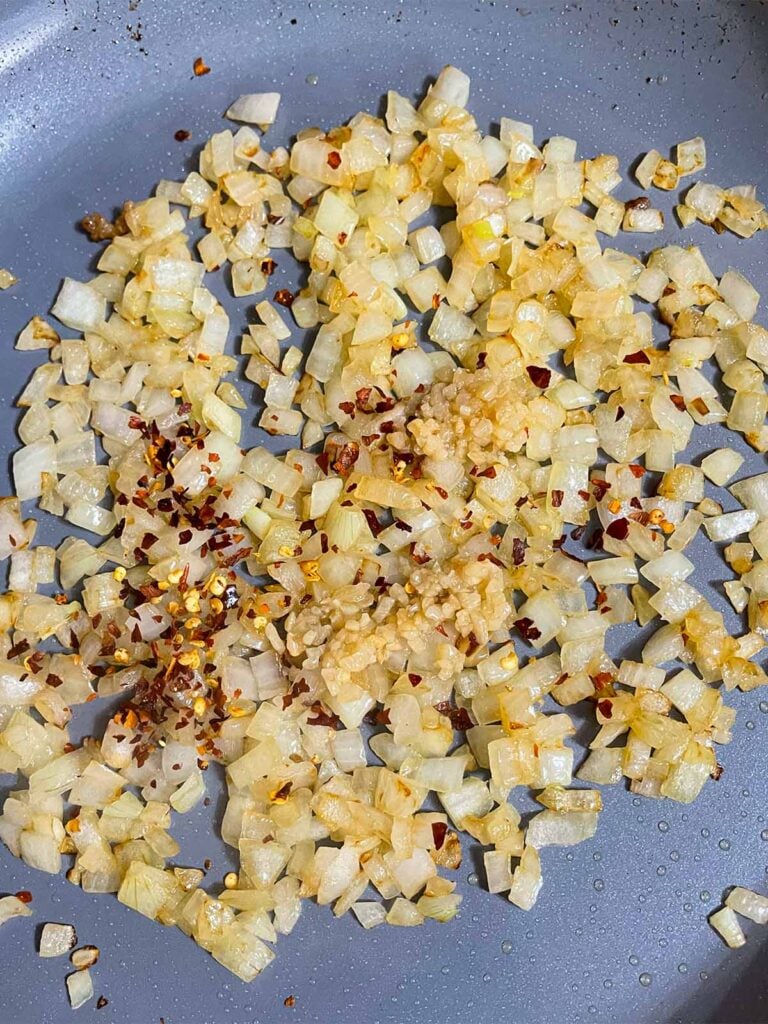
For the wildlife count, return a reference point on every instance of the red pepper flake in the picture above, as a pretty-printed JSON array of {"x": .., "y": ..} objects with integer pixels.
[
  {"x": 526, "y": 629},
  {"x": 347, "y": 407},
  {"x": 342, "y": 237},
  {"x": 414, "y": 678},
  {"x": 518, "y": 551},
  {"x": 334, "y": 159},
  {"x": 459, "y": 717},
  {"x": 378, "y": 716},
  {"x": 361, "y": 398},
  {"x": 323, "y": 717},
  {"x": 481, "y": 358},
  {"x": 439, "y": 832},
  {"x": 490, "y": 472},
  {"x": 137, "y": 423},
  {"x": 284, "y": 297},
  {"x": 289, "y": 1001},
  {"x": 638, "y": 203},
  {"x": 436, "y": 300},
  {"x": 181, "y": 135},
  {"x": 101, "y": 1002},
  {"x": 20, "y": 648},
  {"x": 605, "y": 707},
  {"x": 373, "y": 523},
  {"x": 540, "y": 376},
  {"x": 600, "y": 488},
  {"x": 556, "y": 498},
  {"x": 635, "y": 470},
  {"x": 53, "y": 680},
  {"x": 637, "y": 357},
  {"x": 678, "y": 401},
  {"x": 24, "y": 895},
  {"x": 717, "y": 771},
  {"x": 419, "y": 557},
  {"x": 200, "y": 67},
  {"x": 602, "y": 680},
  {"x": 618, "y": 529},
  {"x": 346, "y": 457},
  {"x": 619, "y": 413},
  {"x": 283, "y": 793}
]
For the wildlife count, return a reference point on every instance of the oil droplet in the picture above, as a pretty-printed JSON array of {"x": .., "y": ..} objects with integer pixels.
[
  {"x": 745, "y": 792},
  {"x": 473, "y": 879},
  {"x": 674, "y": 855},
  {"x": 636, "y": 801},
  {"x": 475, "y": 918},
  {"x": 682, "y": 968},
  {"x": 597, "y": 855},
  {"x": 579, "y": 931},
  {"x": 705, "y": 895},
  {"x": 749, "y": 725},
  {"x": 763, "y": 706},
  {"x": 607, "y": 983},
  {"x": 663, "y": 943},
  {"x": 641, "y": 898},
  {"x": 445, "y": 969},
  {"x": 703, "y": 975},
  {"x": 724, "y": 844},
  {"x": 705, "y": 833},
  {"x": 569, "y": 856},
  {"x": 645, "y": 979},
  {"x": 663, "y": 826},
  {"x": 486, "y": 978},
  {"x": 529, "y": 935},
  {"x": 764, "y": 835},
  {"x": 634, "y": 960},
  {"x": 506, "y": 946},
  {"x": 592, "y": 1009},
  {"x": 598, "y": 885},
  {"x": 661, "y": 870},
  {"x": 687, "y": 907},
  {"x": 311, "y": 79}
]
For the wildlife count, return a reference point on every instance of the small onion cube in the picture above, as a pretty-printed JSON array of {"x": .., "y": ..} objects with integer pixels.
[
  {"x": 79, "y": 988},
  {"x": 56, "y": 939}
]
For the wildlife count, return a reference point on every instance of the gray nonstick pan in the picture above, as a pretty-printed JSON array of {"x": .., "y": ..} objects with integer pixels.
[{"x": 91, "y": 95}]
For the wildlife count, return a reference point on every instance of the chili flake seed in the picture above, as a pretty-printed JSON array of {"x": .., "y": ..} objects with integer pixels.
[{"x": 200, "y": 67}]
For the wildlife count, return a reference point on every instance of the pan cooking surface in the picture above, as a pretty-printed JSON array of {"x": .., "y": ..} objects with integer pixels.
[{"x": 92, "y": 92}]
